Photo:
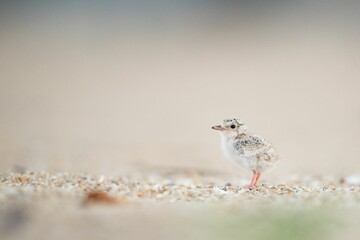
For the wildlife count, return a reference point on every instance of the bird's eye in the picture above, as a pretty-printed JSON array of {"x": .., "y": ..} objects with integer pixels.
[{"x": 233, "y": 126}]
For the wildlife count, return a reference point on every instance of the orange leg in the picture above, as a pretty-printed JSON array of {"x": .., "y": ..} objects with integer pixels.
[
  {"x": 257, "y": 178},
  {"x": 253, "y": 180}
]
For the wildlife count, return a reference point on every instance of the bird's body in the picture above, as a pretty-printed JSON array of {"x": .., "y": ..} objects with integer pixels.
[{"x": 246, "y": 150}]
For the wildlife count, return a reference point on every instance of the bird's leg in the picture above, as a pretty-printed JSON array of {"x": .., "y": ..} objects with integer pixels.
[
  {"x": 253, "y": 180},
  {"x": 257, "y": 178}
]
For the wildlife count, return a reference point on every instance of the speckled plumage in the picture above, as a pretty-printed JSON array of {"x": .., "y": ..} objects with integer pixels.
[{"x": 246, "y": 150}]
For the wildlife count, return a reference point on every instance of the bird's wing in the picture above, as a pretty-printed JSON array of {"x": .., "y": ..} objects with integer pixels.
[{"x": 252, "y": 145}]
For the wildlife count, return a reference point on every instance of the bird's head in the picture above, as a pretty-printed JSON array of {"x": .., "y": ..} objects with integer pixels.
[{"x": 231, "y": 127}]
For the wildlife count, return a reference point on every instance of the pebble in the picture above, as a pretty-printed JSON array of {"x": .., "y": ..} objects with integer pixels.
[{"x": 355, "y": 180}]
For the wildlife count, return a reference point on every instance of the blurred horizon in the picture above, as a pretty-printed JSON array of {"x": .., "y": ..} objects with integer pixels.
[{"x": 115, "y": 87}]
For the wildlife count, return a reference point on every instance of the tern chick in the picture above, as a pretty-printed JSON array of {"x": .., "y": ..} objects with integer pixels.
[{"x": 246, "y": 150}]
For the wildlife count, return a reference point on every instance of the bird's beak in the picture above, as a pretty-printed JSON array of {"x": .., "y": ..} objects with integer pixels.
[{"x": 218, "y": 127}]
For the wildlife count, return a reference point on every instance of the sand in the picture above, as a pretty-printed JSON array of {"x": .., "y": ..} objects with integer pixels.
[
  {"x": 173, "y": 205},
  {"x": 178, "y": 187}
]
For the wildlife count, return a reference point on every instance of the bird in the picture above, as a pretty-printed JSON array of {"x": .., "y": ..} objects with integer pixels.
[{"x": 249, "y": 151}]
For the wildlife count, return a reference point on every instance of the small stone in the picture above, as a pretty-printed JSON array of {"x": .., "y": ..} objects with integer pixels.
[{"x": 353, "y": 180}]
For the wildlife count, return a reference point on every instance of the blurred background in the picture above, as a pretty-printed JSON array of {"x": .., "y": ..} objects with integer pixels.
[{"x": 134, "y": 86}]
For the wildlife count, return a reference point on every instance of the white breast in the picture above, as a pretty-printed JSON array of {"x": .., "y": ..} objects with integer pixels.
[{"x": 230, "y": 153}]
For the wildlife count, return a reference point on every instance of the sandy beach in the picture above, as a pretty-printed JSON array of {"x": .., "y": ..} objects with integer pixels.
[
  {"x": 106, "y": 111},
  {"x": 175, "y": 205}
]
